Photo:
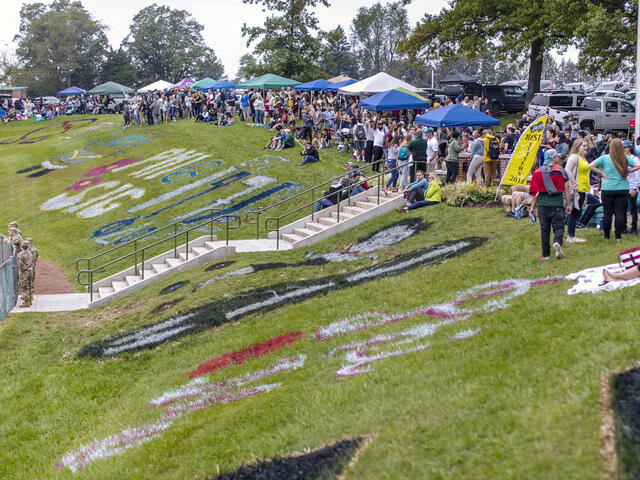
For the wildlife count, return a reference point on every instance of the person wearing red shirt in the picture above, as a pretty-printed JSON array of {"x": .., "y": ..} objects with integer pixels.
[{"x": 551, "y": 201}]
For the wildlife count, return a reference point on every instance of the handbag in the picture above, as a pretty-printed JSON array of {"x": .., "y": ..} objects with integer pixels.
[{"x": 630, "y": 258}]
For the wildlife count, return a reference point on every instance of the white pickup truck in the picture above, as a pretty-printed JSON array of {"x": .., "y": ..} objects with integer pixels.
[{"x": 603, "y": 113}]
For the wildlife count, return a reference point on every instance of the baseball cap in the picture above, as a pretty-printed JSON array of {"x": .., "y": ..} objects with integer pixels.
[
  {"x": 428, "y": 130},
  {"x": 627, "y": 144},
  {"x": 608, "y": 132},
  {"x": 550, "y": 154}
]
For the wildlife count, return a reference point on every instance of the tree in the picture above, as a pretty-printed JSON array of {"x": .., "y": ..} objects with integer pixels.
[
  {"x": 249, "y": 68},
  {"x": 513, "y": 27},
  {"x": 118, "y": 68},
  {"x": 607, "y": 37},
  {"x": 285, "y": 43},
  {"x": 377, "y": 32},
  {"x": 337, "y": 57},
  {"x": 58, "y": 45},
  {"x": 168, "y": 44}
]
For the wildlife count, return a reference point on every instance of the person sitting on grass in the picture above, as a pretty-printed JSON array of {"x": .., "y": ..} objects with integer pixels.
[
  {"x": 415, "y": 190},
  {"x": 432, "y": 196},
  {"x": 287, "y": 141},
  {"x": 309, "y": 154},
  {"x": 226, "y": 120},
  {"x": 630, "y": 274},
  {"x": 275, "y": 140}
]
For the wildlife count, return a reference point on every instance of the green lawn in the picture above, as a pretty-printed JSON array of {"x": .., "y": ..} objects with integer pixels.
[{"x": 518, "y": 400}]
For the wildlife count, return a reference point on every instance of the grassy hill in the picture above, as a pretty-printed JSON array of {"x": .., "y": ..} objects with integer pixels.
[{"x": 447, "y": 365}]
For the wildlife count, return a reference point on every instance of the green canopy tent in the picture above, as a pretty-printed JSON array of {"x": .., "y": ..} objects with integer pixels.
[
  {"x": 202, "y": 83},
  {"x": 111, "y": 88},
  {"x": 268, "y": 81}
]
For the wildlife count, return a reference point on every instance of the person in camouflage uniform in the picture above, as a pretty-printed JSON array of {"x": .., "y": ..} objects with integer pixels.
[
  {"x": 35, "y": 254},
  {"x": 14, "y": 239},
  {"x": 25, "y": 274}
]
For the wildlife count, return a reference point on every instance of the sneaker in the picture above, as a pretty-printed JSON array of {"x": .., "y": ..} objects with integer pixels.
[
  {"x": 510, "y": 214},
  {"x": 542, "y": 257},
  {"x": 576, "y": 240},
  {"x": 558, "y": 248},
  {"x": 580, "y": 225},
  {"x": 633, "y": 232}
]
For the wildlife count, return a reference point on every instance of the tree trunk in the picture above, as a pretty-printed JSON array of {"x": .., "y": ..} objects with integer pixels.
[{"x": 535, "y": 68}]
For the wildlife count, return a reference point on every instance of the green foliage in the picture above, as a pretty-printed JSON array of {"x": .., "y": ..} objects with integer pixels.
[
  {"x": 337, "y": 56},
  {"x": 167, "y": 44},
  {"x": 512, "y": 28},
  {"x": 377, "y": 32},
  {"x": 58, "y": 45},
  {"x": 285, "y": 43},
  {"x": 118, "y": 68},
  {"x": 463, "y": 194}
]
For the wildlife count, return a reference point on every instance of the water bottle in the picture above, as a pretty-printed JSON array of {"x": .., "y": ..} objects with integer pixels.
[{"x": 533, "y": 217}]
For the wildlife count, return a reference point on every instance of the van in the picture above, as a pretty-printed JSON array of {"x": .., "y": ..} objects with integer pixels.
[{"x": 550, "y": 103}]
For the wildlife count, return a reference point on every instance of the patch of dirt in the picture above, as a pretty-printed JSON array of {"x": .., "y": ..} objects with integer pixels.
[{"x": 50, "y": 279}]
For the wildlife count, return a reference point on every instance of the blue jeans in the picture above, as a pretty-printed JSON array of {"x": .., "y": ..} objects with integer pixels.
[
  {"x": 391, "y": 163},
  {"x": 573, "y": 217},
  {"x": 155, "y": 118},
  {"x": 259, "y": 116},
  {"x": 308, "y": 159},
  {"x": 323, "y": 203},
  {"x": 421, "y": 203}
]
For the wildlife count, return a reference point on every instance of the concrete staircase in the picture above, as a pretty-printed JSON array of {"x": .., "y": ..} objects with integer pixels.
[
  {"x": 201, "y": 250},
  {"x": 326, "y": 223},
  {"x": 305, "y": 231}
]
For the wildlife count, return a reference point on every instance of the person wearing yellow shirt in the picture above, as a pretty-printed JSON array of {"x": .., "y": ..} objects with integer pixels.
[
  {"x": 432, "y": 196},
  {"x": 491, "y": 157},
  {"x": 577, "y": 169}
]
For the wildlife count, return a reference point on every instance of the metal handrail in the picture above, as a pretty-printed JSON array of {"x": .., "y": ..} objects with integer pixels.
[
  {"x": 134, "y": 241},
  {"x": 338, "y": 193},
  {"x": 260, "y": 211},
  {"x": 141, "y": 251}
]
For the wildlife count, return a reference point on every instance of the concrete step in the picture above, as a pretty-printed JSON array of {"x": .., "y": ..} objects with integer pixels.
[
  {"x": 104, "y": 291},
  {"x": 343, "y": 216},
  {"x": 159, "y": 267},
  {"x": 366, "y": 205},
  {"x": 304, "y": 232},
  {"x": 318, "y": 227},
  {"x": 328, "y": 221},
  {"x": 131, "y": 279},
  {"x": 149, "y": 274},
  {"x": 119, "y": 285},
  {"x": 210, "y": 245},
  {"x": 172, "y": 262},
  {"x": 353, "y": 210},
  {"x": 374, "y": 199},
  {"x": 292, "y": 238},
  {"x": 200, "y": 250},
  {"x": 183, "y": 255}
]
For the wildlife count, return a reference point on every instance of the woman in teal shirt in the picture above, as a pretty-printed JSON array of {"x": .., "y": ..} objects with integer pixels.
[{"x": 614, "y": 169}]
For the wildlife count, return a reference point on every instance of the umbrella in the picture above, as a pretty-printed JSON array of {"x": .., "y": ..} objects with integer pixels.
[
  {"x": 71, "y": 91},
  {"x": 319, "y": 84},
  {"x": 455, "y": 116},
  {"x": 396, "y": 99},
  {"x": 269, "y": 80}
]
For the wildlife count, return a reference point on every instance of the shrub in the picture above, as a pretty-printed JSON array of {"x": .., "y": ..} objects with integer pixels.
[{"x": 462, "y": 194}]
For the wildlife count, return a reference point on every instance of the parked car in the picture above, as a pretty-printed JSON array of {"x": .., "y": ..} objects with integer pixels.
[
  {"x": 614, "y": 85},
  {"x": 579, "y": 87},
  {"x": 556, "y": 103},
  {"x": 630, "y": 95},
  {"x": 607, "y": 93},
  {"x": 439, "y": 93},
  {"x": 603, "y": 113},
  {"x": 47, "y": 101},
  {"x": 501, "y": 97}
]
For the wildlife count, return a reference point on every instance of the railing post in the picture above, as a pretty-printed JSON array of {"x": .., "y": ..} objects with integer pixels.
[
  {"x": 175, "y": 240},
  {"x": 258, "y": 225},
  {"x": 278, "y": 234},
  {"x": 338, "y": 207},
  {"x": 379, "y": 188},
  {"x": 90, "y": 285},
  {"x": 186, "y": 247},
  {"x": 227, "y": 228},
  {"x": 135, "y": 257},
  {"x": 211, "y": 226},
  {"x": 142, "y": 253},
  {"x": 349, "y": 193},
  {"x": 313, "y": 203}
]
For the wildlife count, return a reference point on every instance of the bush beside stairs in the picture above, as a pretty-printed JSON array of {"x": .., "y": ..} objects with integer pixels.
[{"x": 303, "y": 232}]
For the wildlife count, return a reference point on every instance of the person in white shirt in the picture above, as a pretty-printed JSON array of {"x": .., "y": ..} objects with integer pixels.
[
  {"x": 432, "y": 151},
  {"x": 378, "y": 147},
  {"x": 634, "y": 185}
]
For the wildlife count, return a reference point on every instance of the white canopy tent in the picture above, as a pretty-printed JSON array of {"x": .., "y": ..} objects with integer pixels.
[
  {"x": 380, "y": 82},
  {"x": 159, "y": 85}
]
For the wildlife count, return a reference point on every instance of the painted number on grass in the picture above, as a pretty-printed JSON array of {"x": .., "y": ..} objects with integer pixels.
[{"x": 49, "y": 131}]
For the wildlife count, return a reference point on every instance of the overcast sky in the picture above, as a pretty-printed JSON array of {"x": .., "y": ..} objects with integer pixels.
[{"x": 222, "y": 20}]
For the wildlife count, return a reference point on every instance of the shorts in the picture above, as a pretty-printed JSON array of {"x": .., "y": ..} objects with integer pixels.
[{"x": 359, "y": 144}]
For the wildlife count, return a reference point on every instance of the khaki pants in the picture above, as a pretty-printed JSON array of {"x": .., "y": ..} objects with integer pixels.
[
  {"x": 474, "y": 168},
  {"x": 489, "y": 169}
]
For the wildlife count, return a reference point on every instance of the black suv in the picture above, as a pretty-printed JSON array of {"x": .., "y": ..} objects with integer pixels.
[{"x": 501, "y": 97}]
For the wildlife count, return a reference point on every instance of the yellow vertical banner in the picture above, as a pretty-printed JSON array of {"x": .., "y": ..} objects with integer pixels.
[{"x": 525, "y": 154}]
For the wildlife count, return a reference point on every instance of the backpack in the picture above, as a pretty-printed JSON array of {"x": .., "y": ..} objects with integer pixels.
[
  {"x": 494, "y": 149},
  {"x": 403, "y": 153},
  {"x": 521, "y": 211},
  {"x": 360, "y": 133}
]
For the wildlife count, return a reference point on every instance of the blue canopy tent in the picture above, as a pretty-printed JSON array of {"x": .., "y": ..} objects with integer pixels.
[
  {"x": 319, "y": 84},
  {"x": 336, "y": 85},
  {"x": 396, "y": 99},
  {"x": 455, "y": 116},
  {"x": 219, "y": 85},
  {"x": 70, "y": 91}
]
